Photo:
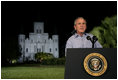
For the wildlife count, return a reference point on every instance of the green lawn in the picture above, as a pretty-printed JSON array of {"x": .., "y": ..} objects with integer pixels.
[{"x": 33, "y": 72}]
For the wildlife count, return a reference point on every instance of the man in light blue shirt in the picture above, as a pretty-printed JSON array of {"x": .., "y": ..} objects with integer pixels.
[{"x": 79, "y": 40}]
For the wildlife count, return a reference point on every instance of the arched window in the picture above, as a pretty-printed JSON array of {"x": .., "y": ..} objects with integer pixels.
[
  {"x": 26, "y": 49},
  {"x": 50, "y": 49},
  {"x": 37, "y": 30},
  {"x": 55, "y": 49}
]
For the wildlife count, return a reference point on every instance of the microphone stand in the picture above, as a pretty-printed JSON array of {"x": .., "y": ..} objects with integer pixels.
[{"x": 93, "y": 40}]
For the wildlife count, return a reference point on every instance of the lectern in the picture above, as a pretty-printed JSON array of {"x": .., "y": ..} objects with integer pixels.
[{"x": 91, "y": 63}]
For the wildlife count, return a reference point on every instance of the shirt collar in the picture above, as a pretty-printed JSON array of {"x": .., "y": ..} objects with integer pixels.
[{"x": 77, "y": 35}]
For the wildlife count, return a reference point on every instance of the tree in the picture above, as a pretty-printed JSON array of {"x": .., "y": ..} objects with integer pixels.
[{"x": 107, "y": 32}]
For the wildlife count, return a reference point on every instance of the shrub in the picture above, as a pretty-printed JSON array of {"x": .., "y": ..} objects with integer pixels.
[
  {"x": 54, "y": 61},
  {"x": 41, "y": 55},
  {"x": 48, "y": 59}
]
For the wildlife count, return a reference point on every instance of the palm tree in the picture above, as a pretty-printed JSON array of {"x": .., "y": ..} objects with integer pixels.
[{"x": 107, "y": 32}]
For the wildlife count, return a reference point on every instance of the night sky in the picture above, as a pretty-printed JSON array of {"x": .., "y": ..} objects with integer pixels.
[{"x": 58, "y": 17}]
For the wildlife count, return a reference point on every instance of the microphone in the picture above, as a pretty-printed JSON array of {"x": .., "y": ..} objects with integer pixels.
[
  {"x": 93, "y": 40},
  {"x": 88, "y": 38}
]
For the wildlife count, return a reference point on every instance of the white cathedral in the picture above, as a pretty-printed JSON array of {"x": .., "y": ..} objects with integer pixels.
[{"x": 37, "y": 42}]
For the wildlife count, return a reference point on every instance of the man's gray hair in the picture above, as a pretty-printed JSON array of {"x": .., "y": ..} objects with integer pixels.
[{"x": 77, "y": 19}]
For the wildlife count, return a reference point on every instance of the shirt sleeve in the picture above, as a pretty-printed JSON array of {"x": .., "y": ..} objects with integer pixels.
[{"x": 68, "y": 45}]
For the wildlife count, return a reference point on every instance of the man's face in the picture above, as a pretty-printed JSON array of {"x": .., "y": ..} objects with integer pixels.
[{"x": 80, "y": 25}]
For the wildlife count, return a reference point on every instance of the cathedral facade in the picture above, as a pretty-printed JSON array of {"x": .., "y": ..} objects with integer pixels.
[{"x": 38, "y": 41}]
